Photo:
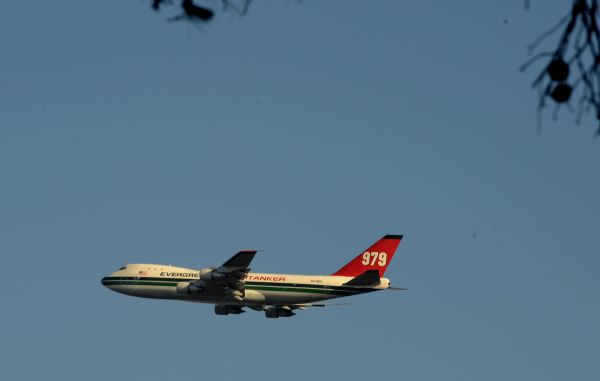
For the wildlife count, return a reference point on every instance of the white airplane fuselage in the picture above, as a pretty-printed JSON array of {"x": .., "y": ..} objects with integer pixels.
[{"x": 171, "y": 282}]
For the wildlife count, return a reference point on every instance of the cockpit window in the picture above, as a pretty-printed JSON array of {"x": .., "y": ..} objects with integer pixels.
[{"x": 123, "y": 268}]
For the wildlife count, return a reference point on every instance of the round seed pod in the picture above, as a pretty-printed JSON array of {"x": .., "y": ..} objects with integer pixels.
[
  {"x": 561, "y": 93},
  {"x": 558, "y": 70}
]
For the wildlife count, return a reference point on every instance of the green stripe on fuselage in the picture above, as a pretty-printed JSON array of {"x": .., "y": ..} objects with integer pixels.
[
  {"x": 259, "y": 286},
  {"x": 137, "y": 283},
  {"x": 304, "y": 290}
]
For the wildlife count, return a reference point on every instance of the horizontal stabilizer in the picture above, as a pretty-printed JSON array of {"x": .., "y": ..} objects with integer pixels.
[{"x": 366, "y": 279}]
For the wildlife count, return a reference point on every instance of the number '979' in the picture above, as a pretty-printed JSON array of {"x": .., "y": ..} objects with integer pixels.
[{"x": 370, "y": 258}]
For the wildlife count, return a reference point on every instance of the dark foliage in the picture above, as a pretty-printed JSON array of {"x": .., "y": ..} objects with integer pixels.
[
  {"x": 198, "y": 13},
  {"x": 156, "y": 4},
  {"x": 192, "y": 12},
  {"x": 573, "y": 67}
]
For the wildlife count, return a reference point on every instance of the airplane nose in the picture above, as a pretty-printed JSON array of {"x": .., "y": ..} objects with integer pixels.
[
  {"x": 113, "y": 282},
  {"x": 106, "y": 281}
]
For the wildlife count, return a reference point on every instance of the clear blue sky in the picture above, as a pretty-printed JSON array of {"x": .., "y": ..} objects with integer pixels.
[{"x": 310, "y": 130}]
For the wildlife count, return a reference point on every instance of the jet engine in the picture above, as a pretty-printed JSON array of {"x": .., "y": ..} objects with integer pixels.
[
  {"x": 276, "y": 312},
  {"x": 189, "y": 288},
  {"x": 222, "y": 309},
  {"x": 212, "y": 275}
]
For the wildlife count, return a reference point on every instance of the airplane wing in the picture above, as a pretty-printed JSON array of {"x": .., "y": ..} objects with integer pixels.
[
  {"x": 277, "y": 311},
  {"x": 239, "y": 261},
  {"x": 306, "y": 305},
  {"x": 227, "y": 279}
]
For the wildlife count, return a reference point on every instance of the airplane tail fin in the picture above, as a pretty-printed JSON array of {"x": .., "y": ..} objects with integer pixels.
[{"x": 377, "y": 257}]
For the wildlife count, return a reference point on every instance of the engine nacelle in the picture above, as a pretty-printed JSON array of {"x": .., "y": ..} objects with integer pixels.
[
  {"x": 276, "y": 312},
  {"x": 212, "y": 275},
  {"x": 189, "y": 288},
  {"x": 222, "y": 309}
]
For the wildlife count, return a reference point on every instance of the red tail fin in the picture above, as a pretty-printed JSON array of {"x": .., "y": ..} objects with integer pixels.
[{"x": 376, "y": 257}]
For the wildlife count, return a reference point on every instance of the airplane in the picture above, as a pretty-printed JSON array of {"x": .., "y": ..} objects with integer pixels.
[{"x": 231, "y": 286}]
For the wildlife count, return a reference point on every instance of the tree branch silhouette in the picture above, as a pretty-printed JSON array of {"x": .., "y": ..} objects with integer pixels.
[
  {"x": 198, "y": 13},
  {"x": 577, "y": 54}
]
